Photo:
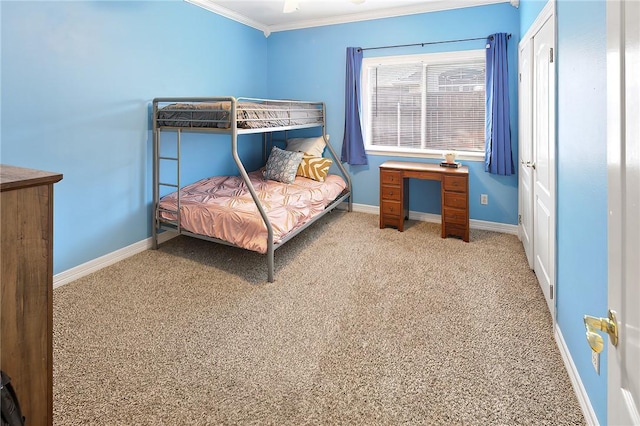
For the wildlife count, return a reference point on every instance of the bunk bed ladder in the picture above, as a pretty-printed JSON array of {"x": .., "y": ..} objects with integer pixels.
[
  {"x": 158, "y": 184},
  {"x": 176, "y": 185}
]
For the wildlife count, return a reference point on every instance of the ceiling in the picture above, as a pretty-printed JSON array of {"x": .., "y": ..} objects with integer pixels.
[{"x": 268, "y": 16}]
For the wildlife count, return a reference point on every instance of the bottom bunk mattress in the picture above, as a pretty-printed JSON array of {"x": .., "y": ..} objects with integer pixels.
[{"x": 222, "y": 207}]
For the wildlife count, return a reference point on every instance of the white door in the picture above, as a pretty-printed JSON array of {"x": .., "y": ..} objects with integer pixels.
[
  {"x": 623, "y": 158},
  {"x": 543, "y": 165},
  {"x": 525, "y": 151}
]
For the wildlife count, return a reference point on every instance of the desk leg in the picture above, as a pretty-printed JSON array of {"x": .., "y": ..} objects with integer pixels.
[{"x": 405, "y": 203}]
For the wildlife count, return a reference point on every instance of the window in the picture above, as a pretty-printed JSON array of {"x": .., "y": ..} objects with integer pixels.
[{"x": 425, "y": 104}]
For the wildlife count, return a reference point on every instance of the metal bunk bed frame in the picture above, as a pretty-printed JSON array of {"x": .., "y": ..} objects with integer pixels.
[{"x": 233, "y": 130}]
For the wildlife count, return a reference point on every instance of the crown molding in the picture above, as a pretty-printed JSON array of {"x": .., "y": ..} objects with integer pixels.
[
  {"x": 431, "y": 6},
  {"x": 426, "y": 7},
  {"x": 234, "y": 16}
]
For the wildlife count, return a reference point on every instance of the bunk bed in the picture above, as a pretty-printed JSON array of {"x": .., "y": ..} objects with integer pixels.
[{"x": 253, "y": 210}]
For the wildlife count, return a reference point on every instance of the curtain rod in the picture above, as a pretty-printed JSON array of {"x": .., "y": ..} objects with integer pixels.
[{"x": 426, "y": 43}]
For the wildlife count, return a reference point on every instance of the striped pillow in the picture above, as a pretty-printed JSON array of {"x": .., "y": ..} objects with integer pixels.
[{"x": 315, "y": 168}]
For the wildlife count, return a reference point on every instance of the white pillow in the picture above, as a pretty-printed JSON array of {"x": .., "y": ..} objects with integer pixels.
[{"x": 310, "y": 146}]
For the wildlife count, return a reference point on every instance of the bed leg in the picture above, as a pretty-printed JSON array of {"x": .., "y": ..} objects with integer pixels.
[{"x": 270, "y": 264}]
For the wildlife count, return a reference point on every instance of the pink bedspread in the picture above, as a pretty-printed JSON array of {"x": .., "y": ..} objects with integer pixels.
[{"x": 222, "y": 207}]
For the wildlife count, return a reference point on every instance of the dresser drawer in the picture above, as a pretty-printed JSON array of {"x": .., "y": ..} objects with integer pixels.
[
  {"x": 456, "y": 216},
  {"x": 392, "y": 208},
  {"x": 390, "y": 193},
  {"x": 455, "y": 199},
  {"x": 390, "y": 177},
  {"x": 454, "y": 183}
]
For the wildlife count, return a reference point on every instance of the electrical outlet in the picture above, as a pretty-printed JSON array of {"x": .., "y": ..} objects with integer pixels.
[
  {"x": 595, "y": 360},
  {"x": 484, "y": 199}
]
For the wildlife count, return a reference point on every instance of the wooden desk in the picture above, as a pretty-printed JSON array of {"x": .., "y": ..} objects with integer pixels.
[{"x": 394, "y": 195}]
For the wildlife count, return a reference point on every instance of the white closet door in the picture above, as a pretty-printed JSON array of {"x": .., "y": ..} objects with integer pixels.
[
  {"x": 544, "y": 161},
  {"x": 525, "y": 150}
]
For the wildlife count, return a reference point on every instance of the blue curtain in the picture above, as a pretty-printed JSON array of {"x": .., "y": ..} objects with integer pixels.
[
  {"x": 353, "y": 144},
  {"x": 498, "y": 159}
]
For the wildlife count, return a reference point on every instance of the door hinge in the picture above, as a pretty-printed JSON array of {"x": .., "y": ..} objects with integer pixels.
[
  {"x": 550, "y": 291},
  {"x": 519, "y": 219},
  {"x": 551, "y": 55},
  {"x": 520, "y": 77}
]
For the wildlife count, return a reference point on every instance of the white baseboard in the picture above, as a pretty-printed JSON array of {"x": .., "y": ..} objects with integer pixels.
[
  {"x": 578, "y": 387},
  {"x": 111, "y": 258},
  {"x": 108, "y": 259},
  {"x": 436, "y": 218}
]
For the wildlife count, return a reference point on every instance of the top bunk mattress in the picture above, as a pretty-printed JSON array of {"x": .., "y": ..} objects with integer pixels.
[{"x": 249, "y": 115}]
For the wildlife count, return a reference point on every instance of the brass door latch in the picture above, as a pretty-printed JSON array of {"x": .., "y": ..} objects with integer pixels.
[{"x": 608, "y": 325}]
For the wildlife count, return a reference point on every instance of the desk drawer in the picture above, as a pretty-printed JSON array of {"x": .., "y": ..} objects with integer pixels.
[
  {"x": 454, "y": 183},
  {"x": 455, "y": 199},
  {"x": 390, "y": 193},
  {"x": 390, "y": 177},
  {"x": 395, "y": 221},
  {"x": 456, "y": 230},
  {"x": 457, "y": 216},
  {"x": 392, "y": 208}
]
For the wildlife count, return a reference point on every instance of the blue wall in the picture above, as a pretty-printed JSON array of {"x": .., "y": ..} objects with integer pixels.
[
  {"x": 310, "y": 64},
  {"x": 581, "y": 191},
  {"x": 77, "y": 81},
  {"x": 529, "y": 11},
  {"x": 582, "y": 184}
]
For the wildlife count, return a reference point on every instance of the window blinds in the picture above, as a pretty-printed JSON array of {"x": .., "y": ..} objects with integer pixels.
[{"x": 437, "y": 106}]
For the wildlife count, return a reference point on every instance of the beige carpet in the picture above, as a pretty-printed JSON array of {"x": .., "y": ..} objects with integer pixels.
[{"x": 362, "y": 327}]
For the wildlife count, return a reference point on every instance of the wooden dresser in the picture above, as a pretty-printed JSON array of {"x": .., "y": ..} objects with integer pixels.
[
  {"x": 394, "y": 195},
  {"x": 26, "y": 288}
]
